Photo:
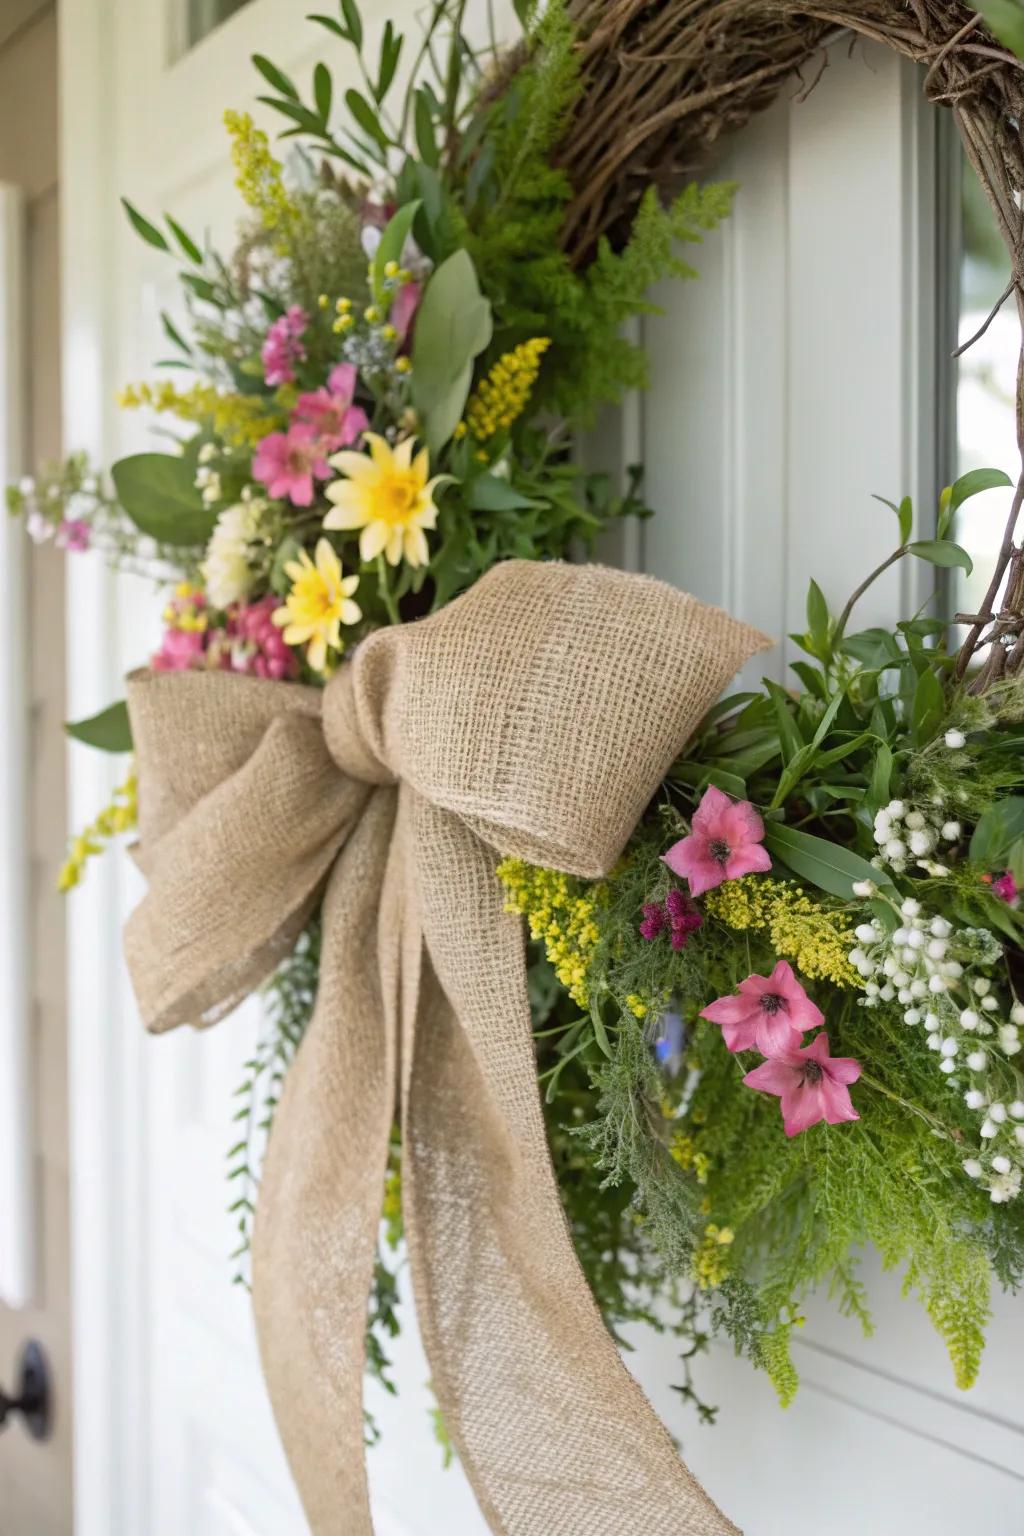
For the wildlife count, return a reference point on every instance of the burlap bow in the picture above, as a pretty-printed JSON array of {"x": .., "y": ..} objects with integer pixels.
[{"x": 533, "y": 717}]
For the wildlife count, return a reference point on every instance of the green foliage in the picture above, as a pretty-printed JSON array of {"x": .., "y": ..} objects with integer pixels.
[
  {"x": 158, "y": 492},
  {"x": 109, "y": 731}
]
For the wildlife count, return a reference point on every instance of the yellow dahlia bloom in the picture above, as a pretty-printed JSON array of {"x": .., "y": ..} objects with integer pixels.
[
  {"x": 319, "y": 602},
  {"x": 386, "y": 493}
]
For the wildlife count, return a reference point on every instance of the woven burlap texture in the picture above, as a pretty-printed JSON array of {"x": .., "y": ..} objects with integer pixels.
[{"x": 535, "y": 716}]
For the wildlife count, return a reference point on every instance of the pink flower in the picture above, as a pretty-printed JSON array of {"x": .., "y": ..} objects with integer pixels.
[
  {"x": 282, "y": 347},
  {"x": 403, "y": 311},
  {"x": 330, "y": 411},
  {"x": 724, "y": 844},
  {"x": 74, "y": 535},
  {"x": 255, "y": 644},
  {"x": 770, "y": 1014},
  {"x": 677, "y": 914},
  {"x": 812, "y": 1085},
  {"x": 287, "y": 463},
  {"x": 1006, "y": 889},
  {"x": 181, "y": 650}
]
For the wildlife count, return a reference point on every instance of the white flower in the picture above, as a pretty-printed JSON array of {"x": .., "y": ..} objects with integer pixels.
[
  {"x": 1005, "y": 1188},
  {"x": 988, "y": 1130},
  {"x": 895, "y": 809},
  {"x": 974, "y": 1098},
  {"x": 226, "y": 570},
  {"x": 1017, "y": 1109},
  {"x": 990, "y": 1002},
  {"x": 864, "y": 887},
  {"x": 1017, "y": 1013},
  {"x": 1009, "y": 1040},
  {"x": 936, "y": 949},
  {"x": 865, "y": 933},
  {"x": 38, "y": 527},
  {"x": 949, "y": 1046},
  {"x": 912, "y": 1016},
  {"x": 981, "y": 985},
  {"x": 947, "y": 1064},
  {"x": 997, "y": 1112},
  {"x": 972, "y": 1167},
  {"x": 922, "y": 842},
  {"x": 955, "y": 740},
  {"x": 969, "y": 1019},
  {"x": 976, "y": 1061},
  {"x": 951, "y": 831},
  {"x": 940, "y": 927},
  {"x": 915, "y": 820},
  {"x": 895, "y": 851},
  {"x": 1001, "y": 1164}
]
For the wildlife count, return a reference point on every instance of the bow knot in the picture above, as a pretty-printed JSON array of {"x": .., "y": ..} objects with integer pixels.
[{"x": 535, "y": 716}]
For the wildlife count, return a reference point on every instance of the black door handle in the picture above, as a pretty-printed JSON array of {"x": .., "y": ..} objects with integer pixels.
[{"x": 33, "y": 1399}]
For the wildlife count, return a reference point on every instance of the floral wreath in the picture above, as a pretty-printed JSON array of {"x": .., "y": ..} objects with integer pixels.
[{"x": 788, "y": 1023}]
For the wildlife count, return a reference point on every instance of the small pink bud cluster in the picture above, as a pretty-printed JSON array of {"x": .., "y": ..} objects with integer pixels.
[
  {"x": 676, "y": 913},
  {"x": 255, "y": 644},
  {"x": 282, "y": 346}
]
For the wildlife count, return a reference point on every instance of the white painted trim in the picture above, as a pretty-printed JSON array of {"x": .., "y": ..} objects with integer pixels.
[
  {"x": 108, "y": 1396},
  {"x": 17, "y": 1178}
]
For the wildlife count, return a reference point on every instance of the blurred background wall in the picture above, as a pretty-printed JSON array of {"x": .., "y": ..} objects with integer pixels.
[{"x": 35, "y": 1479}]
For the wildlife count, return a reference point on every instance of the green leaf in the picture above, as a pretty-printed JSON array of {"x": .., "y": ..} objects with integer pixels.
[
  {"x": 390, "y": 53},
  {"x": 881, "y": 777},
  {"x": 173, "y": 334},
  {"x": 392, "y": 243},
  {"x": 275, "y": 77},
  {"x": 144, "y": 228},
  {"x": 157, "y": 492},
  {"x": 928, "y": 708},
  {"x": 829, "y": 866},
  {"x": 997, "y": 831},
  {"x": 942, "y": 552},
  {"x": 789, "y": 734},
  {"x": 426, "y": 140},
  {"x": 367, "y": 118},
  {"x": 1015, "y": 862},
  {"x": 817, "y": 617},
  {"x": 353, "y": 22},
  {"x": 974, "y": 482},
  {"x": 453, "y": 326},
  {"x": 109, "y": 731},
  {"x": 185, "y": 240},
  {"x": 489, "y": 493},
  {"x": 330, "y": 24},
  {"x": 904, "y": 513},
  {"x": 323, "y": 91},
  {"x": 1005, "y": 18}
]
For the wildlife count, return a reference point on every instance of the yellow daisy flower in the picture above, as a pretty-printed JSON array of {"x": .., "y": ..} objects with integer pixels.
[
  {"x": 386, "y": 493},
  {"x": 319, "y": 602}
]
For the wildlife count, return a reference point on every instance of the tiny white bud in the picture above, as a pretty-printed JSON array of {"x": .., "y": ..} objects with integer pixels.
[
  {"x": 934, "y": 1042},
  {"x": 938, "y": 870},
  {"x": 990, "y": 1002},
  {"x": 1017, "y": 1013},
  {"x": 887, "y": 993},
  {"x": 889, "y": 966},
  {"x": 917, "y": 939},
  {"x": 871, "y": 989},
  {"x": 912, "y": 1016},
  {"x": 882, "y": 834},
  {"x": 901, "y": 979},
  {"x": 951, "y": 831},
  {"x": 865, "y": 933},
  {"x": 974, "y": 1098},
  {"x": 915, "y": 821},
  {"x": 864, "y": 887},
  {"x": 946, "y": 1065},
  {"x": 936, "y": 949},
  {"x": 972, "y": 1168},
  {"x": 910, "y": 908},
  {"x": 895, "y": 851},
  {"x": 976, "y": 1061},
  {"x": 988, "y": 1130},
  {"x": 980, "y": 985},
  {"x": 901, "y": 936},
  {"x": 1017, "y": 1109},
  {"x": 904, "y": 996},
  {"x": 955, "y": 740},
  {"x": 919, "y": 987},
  {"x": 952, "y": 968},
  {"x": 931, "y": 1021},
  {"x": 937, "y": 984},
  {"x": 997, "y": 1112},
  {"x": 950, "y": 1046},
  {"x": 941, "y": 928},
  {"x": 969, "y": 1019},
  {"x": 895, "y": 809},
  {"x": 1001, "y": 1164},
  {"x": 922, "y": 843}
]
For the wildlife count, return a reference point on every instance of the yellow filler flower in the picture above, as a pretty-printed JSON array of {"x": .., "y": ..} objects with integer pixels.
[
  {"x": 319, "y": 602},
  {"x": 386, "y": 493}
]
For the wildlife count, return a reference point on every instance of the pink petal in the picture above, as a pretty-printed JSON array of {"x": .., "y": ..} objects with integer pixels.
[
  {"x": 843, "y": 1069},
  {"x": 777, "y": 1034},
  {"x": 802, "y": 1108},
  {"x": 750, "y": 859},
  {"x": 342, "y": 380},
  {"x": 300, "y": 488},
  {"x": 743, "y": 824},
  {"x": 354, "y": 424},
  {"x": 708, "y": 818},
  {"x": 802, "y": 1011},
  {"x": 835, "y": 1099},
  {"x": 777, "y": 1076},
  {"x": 740, "y": 1036},
  {"x": 688, "y": 859},
  {"x": 730, "y": 1010}
]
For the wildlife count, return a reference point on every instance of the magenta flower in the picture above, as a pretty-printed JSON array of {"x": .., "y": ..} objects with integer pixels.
[
  {"x": 770, "y": 1014},
  {"x": 724, "y": 844},
  {"x": 181, "y": 650},
  {"x": 288, "y": 462},
  {"x": 812, "y": 1085},
  {"x": 255, "y": 644},
  {"x": 282, "y": 346},
  {"x": 330, "y": 412},
  {"x": 676, "y": 913},
  {"x": 1006, "y": 889},
  {"x": 74, "y": 535}
]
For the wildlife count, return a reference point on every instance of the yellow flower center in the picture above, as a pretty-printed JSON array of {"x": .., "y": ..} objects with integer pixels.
[
  {"x": 315, "y": 599},
  {"x": 396, "y": 498}
]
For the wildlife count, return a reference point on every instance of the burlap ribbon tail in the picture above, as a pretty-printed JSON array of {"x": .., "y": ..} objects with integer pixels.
[{"x": 534, "y": 717}]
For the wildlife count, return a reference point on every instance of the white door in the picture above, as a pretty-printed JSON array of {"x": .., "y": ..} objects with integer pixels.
[{"x": 174, "y": 1437}]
